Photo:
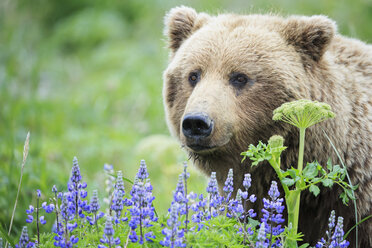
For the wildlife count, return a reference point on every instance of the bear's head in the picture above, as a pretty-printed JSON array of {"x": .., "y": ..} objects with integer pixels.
[{"x": 227, "y": 74}]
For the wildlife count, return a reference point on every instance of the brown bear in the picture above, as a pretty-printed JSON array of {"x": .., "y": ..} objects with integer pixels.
[{"x": 227, "y": 74}]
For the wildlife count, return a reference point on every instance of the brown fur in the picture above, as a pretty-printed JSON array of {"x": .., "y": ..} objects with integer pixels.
[{"x": 286, "y": 59}]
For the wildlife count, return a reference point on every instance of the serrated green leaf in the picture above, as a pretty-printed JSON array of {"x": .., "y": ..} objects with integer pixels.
[
  {"x": 293, "y": 172},
  {"x": 310, "y": 171},
  {"x": 350, "y": 194},
  {"x": 314, "y": 189},
  {"x": 344, "y": 198},
  {"x": 327, "y": 182},
  {"x": 329, "y": 164},
  {"x": 336, "y": 169},
  {"x": 288, "y": 181},
  {"x": 354, "y": 187}
]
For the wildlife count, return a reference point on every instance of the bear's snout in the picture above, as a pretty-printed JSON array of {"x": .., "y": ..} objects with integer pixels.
[{"x": 197, "y": 127}]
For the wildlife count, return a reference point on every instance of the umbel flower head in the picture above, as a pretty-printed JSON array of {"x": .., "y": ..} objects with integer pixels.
[{"x": 303, "y": 113}]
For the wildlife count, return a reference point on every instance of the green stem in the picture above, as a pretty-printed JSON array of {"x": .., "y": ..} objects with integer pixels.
[
  {"x": 275, "y": 164},
  {"x": 293, "y": 201},
  {"x": 301, "y": 150}
]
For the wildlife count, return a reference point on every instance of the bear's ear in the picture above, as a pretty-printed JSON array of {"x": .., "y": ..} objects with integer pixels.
[
  {"x": 309, "y": 35},
  {"x": 180, "y": 23}
]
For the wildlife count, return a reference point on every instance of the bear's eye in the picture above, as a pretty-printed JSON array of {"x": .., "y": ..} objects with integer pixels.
[
  {"x": 194, "y": 77},
  {"x": 239, "y": 79}
]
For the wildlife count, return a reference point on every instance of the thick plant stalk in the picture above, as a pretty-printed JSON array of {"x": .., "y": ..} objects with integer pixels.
[
  {"x": 25, "y": 154},
  {"x": 299, "y": 167}
]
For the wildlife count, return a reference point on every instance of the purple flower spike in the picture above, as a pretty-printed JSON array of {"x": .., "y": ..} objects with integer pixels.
[
  {"x": 24, "y": 240},
  {"x": 119, "y": 186},
  {"x": 262, "y": 240},
  {"x": 142, "y": 211},
  {"x": 173, "y": 236},
  {"x": 75, "y": 172},
  {"x": 108, "y": 235},
  {"x": 274, "y": 192},
  {"x": 272, "y": 212},
  {"x": 335, "y": 239},
  {"x": 94, "y": 204},
  {"x": 142, "y": 172},
  {"x": 38, "y": 192},
  {"x": 54, "y": 189},
  {"x": 229, "y": 184},
  {"x": 247, "y": 181}
]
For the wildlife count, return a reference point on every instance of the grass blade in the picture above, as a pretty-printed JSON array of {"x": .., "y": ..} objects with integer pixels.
[
  {"x": 25, "y": 154},
  {"x": 348, "y": 178},
  {"x": 6, "y": 236},
  {"x": 360, "y": 222}
]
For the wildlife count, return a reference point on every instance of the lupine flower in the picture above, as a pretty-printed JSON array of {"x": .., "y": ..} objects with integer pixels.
[
  {"x": 142, "y": 211},
  {"x": 42, "y": 220},
  {"x": 108, "y": 234},
  {"x": 338, "y": 235},
  {"x": 117, "y": 204},
  {"x": 1, "y": 243},
  {"x": 201, "y": 214},
  {"x": 24, "y": 241},
  {"x": 54, "y": 189},
  {"x": 109, "y": 182},
  {"x": 179, "y": 196},
  {"x": 173, "y": 236},
  {"x": 67, "y": 210},
  {"x": 77, "y": 193},
  {"x": 272, "y": 212},
  {"x": 60, "y": 240},
  {"x": 229, "y": 185},
  {"x": 212, "y": 187},
  {"x": 335, "y": 240},
  {"x": 246, "y": 197},
  {"x": 247, "y": 181},
  {"x": 48, "y": 208},
  {"x": 119, "y": 186},
  {"x": 238, "y": 208},
  {"x": 93, "y": 208},
  {"x": 142, "y": 172},
  {"x": 118, "y": 201},
  {"x": 262, "y": 241},
  {"x": 215, "y": 200}
]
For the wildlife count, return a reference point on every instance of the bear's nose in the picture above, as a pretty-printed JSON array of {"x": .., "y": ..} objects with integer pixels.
[{"x": 197, "y": 125}]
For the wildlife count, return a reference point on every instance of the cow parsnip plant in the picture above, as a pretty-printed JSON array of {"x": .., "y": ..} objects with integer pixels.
[{"x": 302, "y": 114}]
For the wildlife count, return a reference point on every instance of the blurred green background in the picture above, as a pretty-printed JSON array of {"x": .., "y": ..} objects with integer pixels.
[{"x": 85, "y": 78}]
